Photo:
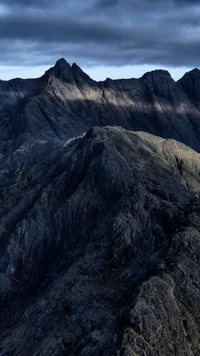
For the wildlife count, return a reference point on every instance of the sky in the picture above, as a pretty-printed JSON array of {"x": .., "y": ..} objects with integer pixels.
[{"x": 106, "y": 38}]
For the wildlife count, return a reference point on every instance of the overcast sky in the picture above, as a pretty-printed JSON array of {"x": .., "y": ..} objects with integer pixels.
[{"x": 107, "y": 38}]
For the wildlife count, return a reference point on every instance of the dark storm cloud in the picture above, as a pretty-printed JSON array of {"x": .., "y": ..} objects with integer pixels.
[
  {"x": 187, "y": 2},
  {"x": 60, "y": 29},
  {"x": 25, "y": 3},
  {"x": 106, "y": 3},
  {"x": 112, "y": 32}
]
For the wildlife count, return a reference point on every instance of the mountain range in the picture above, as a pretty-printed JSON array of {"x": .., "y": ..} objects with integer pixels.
[{"x": 100, "y": 215}]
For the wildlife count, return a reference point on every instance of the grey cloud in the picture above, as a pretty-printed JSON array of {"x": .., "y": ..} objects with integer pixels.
[
  {"x": 106, "y": 3},
  {"x": 103, "y": 32},
  {"x": 24, "y": 3},
  {"x": 187, "y": 2},
  {"x": 60, "y": 29}
]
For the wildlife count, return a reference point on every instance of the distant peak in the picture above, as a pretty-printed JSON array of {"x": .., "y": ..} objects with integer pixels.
[
  {"x": 61, "y": 63},
  {"x": 160, "y": 73},
  {"x": 193, "y": 74},
  {"x": 66, "y": 73},
  {"x": 77, "y": 69},
  {"x": 80, "y": 75},
  {"x": 74, "y": 65},
  {"x": 195, "y": 70},
  {"x": 61, "y": 70}
]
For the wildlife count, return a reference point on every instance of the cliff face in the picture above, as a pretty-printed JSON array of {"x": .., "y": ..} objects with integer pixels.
[
  {"x": 100, "y": 243},
  {"x": 65, "y": 103}
]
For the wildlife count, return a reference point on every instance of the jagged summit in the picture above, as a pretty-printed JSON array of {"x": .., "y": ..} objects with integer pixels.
[
  {"x": 68, "y": 73},
  {"x": 159, "y": 73},
  {"x": 81, "y": 75},
  {"x": 64, "y": 71},
  {"x": 194, "y": 71},
  {"x": 61, "y": 66},
  {"x": 61, "y": 70},
  {"x": 190, "y": 84},
  {"x": 61, "y": 62},
  {"x": 192, "y": 74}
]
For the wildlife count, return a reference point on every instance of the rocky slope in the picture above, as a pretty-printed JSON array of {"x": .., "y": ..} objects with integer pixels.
[
  {"x": 100, "y": 234},
  {"x": 65, "y": 103}
]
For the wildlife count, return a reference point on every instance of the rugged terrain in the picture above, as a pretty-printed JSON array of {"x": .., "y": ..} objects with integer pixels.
[{"x": 100, "y": 215}]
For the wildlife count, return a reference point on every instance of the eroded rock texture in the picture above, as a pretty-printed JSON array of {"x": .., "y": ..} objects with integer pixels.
[
  {"x": 65, "y": 102},
  {"x": 100, "y": 234}
]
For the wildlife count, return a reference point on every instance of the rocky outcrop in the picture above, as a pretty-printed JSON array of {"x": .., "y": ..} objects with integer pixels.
[{"x": 100, "y": 247}]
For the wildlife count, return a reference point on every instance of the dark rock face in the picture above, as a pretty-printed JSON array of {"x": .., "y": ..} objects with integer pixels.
[
  {"x": 65, "y": 102},
  {"x": 100, "y": 242},
  {"x": 190, "y": 84}
]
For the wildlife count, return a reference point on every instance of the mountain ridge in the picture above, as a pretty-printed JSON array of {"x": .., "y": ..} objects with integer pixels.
[
  {"x": 99, "y": 215},
  {"x": 65, "y": 102}
]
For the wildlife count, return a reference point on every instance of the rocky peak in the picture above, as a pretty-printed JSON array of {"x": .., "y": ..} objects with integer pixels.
[
  {"x": 80, "y": 76},
  {"x": 157, "y": 78},
  {"x": 193, "y": 74},
  {"x": 69, "y": 74},
  {"x": 159, "y": 83},
  {"x": 62, "y": 65},
  {"x": 78, "y": 71},
  {"x": 62, "y": 70},
  {"x": 157, "y": 74},
  {"x": 189, "y": 83}
]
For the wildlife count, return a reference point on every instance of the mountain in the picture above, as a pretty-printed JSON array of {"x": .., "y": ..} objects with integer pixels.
[
  {"x": 100, "y": 215},
  {"x": 65, "y": 103}
]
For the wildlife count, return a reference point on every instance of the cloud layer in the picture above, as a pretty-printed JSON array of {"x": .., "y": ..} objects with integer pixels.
[{"x": 101, "y": 32}]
